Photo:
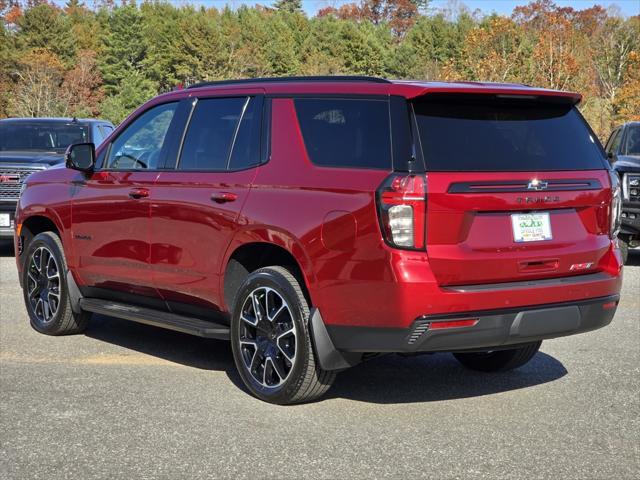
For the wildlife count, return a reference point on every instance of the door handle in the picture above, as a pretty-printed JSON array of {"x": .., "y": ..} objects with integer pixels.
[
  {"x": 224, "y": 197},
  {"x": 139, "y": 193}
]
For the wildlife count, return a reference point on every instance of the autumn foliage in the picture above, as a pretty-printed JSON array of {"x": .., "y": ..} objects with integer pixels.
[{"x": 107, "y": 59}]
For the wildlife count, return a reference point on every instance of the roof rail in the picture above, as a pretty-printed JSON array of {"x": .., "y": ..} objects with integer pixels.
[{"x": 319, "y": 78}]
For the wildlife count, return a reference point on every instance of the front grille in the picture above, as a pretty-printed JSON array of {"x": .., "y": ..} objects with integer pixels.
[
  {"x": 632, "y": 187},
  {"x": 11, "y": 179}
]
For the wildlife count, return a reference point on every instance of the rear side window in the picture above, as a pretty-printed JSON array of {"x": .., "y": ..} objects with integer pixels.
[
  {"x": 504, "y": 136},
  {"x": 351, "y": 133},
  {"x": 246, "y": 147},
  {"x": 223, "y": 134},
  {"x": 210, "y": 134}
]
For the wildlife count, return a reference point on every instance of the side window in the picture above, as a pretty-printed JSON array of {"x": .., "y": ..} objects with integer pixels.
[
  {"x": 346, "y": 132},
  {"x": 246, "y": 147},
  {"x": 211, "y": 133},
  {"x": 139, "y": 145},
  {"x": 632, "y": 142},
  {"x": 98, "y": 135},
  {"x": 614, "y": 141},
  {"x": 105, "y": 130}
]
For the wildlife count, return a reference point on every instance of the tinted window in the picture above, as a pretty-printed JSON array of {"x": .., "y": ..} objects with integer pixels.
[
  {"x": 246, "y": 148},
  {"x": 346, "y": 132},
  {"x": 506, "y": 136},
  {"x": 210, "y": 134},
  {"x": 140, "y": 144},
  {"x": 632, "y": 141},
  {"x": 44, "y": 136},
  {"x": 614, "y": 141}
]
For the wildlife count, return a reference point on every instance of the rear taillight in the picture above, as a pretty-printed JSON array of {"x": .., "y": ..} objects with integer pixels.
[
  {"x": 402, "y": 208},
  {"x": 615, "y": 209}
]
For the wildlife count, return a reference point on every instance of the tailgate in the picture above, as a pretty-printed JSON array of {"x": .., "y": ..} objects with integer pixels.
[
  {"x": 517, "y": 188},
  {"x": 472, "y": 238}
]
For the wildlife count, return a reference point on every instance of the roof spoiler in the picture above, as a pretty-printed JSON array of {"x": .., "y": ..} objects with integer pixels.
[{"x": 501, "y": 95}]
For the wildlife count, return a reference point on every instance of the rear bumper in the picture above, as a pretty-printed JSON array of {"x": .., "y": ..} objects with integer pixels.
[{"x": 494, "y": 329}]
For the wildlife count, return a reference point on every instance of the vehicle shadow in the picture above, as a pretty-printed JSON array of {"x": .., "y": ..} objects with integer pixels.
[
  {"x": 432, "y": 378},
  {"x": 633, "y": 260},
  {"x": 388, "y": 379},
  {"x": 6, "y": 248}
]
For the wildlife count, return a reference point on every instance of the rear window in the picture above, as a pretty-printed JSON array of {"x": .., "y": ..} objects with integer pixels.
[
  {"x": 351, "y": 133},
  {"x": 505, "y": 136}
]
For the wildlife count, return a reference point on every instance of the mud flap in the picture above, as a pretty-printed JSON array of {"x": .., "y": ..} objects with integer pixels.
[{"x": 326, "y": 353}]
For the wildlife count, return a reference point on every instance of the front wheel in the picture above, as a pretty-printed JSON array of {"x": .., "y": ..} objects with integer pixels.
[
  {"x": 46, "y": 294},
  {"x": 498, "y": 360},
  {"x": 270, "y": 339}
]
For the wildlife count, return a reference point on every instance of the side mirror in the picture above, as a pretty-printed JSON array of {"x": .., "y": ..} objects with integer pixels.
[{"x": 81, "y": 156}]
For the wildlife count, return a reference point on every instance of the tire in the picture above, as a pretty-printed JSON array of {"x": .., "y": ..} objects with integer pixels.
[
  {"x": 624, "y": 249},
  {"x": 272, "y": 348},
  {"x": 45, "y": 290},
  {"x": 499, "y": 360}
]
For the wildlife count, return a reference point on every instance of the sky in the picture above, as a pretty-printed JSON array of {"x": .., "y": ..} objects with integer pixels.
[{"x": 504, "y": 7}]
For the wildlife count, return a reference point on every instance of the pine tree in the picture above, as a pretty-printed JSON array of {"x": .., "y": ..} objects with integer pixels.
[
  {"x": 290, "y": 6},
  {"x": 44, "y": 27},
  {"x": 124, "y": 47}
]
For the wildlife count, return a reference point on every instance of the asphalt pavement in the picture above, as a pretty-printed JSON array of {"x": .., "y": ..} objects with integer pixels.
[{"x": 132, "y": 401}]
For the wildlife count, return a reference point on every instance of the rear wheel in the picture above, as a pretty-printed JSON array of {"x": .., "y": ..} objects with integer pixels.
[
  {"x": 498, "y": 360},
  {"x": 45, "y": 290},
  {"x": 270, "y": 339}
]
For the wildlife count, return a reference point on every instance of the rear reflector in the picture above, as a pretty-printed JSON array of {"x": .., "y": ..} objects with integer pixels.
[
  {"x": 467, "y": 322},
  {"x": 609, "y": 305}
]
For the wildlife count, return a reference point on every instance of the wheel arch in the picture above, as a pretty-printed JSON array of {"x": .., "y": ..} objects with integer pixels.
[
  {"x": 38, "y": 222},
  {"x": 253, "y": 250}
]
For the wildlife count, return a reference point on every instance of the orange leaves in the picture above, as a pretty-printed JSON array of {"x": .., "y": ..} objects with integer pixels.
[
  {"x": 628, "y": 101},
  {"x": 557, "y": 54},
  {"x": 13, "y": 14},
  {"x": 495, "y": 52}
]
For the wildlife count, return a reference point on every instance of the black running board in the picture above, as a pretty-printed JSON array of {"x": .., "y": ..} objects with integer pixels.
[{"x": 157, "y": 318}]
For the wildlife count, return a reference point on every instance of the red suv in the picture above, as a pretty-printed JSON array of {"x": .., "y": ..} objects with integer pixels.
[{"x": 316, "y": 222}]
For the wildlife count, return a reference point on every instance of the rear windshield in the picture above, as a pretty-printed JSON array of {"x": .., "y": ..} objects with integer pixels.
[
  {"x": 45, "y": 136},
  {"x": 505, "y": 136}
]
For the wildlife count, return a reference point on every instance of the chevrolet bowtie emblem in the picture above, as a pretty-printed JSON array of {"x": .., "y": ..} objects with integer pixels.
[{"x": 537, "y": 185}]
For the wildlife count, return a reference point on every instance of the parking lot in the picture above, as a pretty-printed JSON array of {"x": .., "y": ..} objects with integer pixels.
[{"x": 132, "y": 401}]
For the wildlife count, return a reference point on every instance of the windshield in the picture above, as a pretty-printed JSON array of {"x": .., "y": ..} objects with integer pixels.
[
  {"x": 484, "y": 135},
  {"x": 44, "y": 136},
  {"x": 632, "y": 144}
]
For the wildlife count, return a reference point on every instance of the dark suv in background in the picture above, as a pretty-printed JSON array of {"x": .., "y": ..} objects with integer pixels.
[
  {"x": 28, "y": 145},
  {"x": 623, "y": 150},
  {"x": 317, "y": 222}
]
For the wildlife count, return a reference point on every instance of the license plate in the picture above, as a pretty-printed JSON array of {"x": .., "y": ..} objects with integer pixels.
[
  {"x": 5, "y": 220},
  {"x": 531, "y": 227}
]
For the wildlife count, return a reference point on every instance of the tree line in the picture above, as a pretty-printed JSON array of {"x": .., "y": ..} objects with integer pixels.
[{"x": 106, "y": 60}]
